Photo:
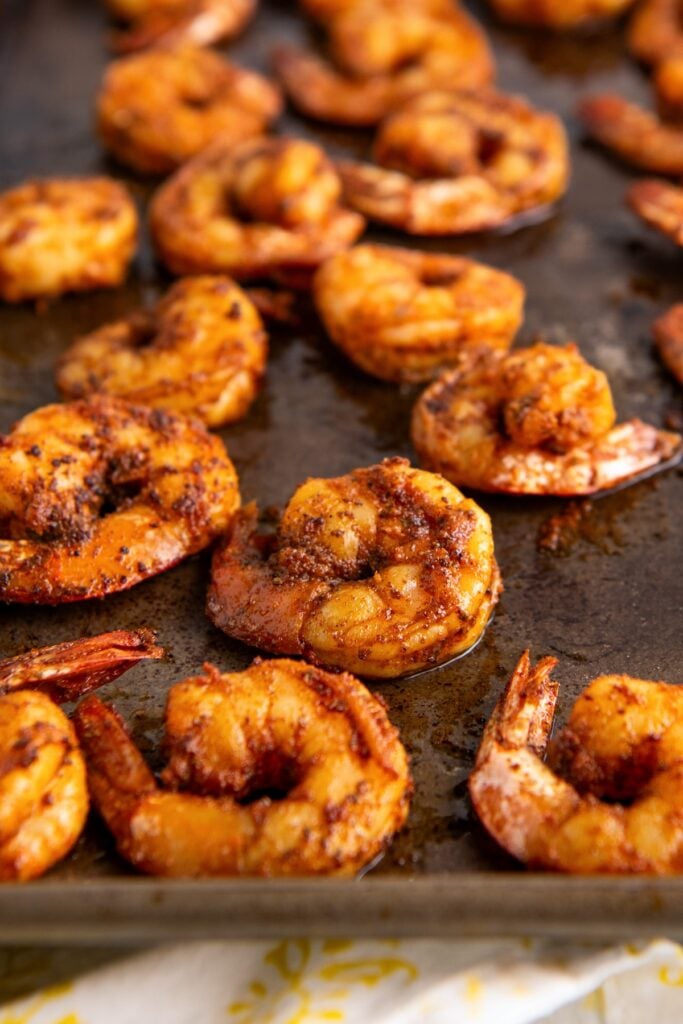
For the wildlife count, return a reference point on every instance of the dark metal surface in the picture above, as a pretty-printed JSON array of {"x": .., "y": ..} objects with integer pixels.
[{"x": 608, "y": 600}]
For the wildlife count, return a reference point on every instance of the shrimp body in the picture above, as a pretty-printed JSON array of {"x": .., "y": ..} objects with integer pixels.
[
  {"x": 202, "y": 350},
  {"x": 383, "y": 572},
  {"x": 267, "y": 207},
  {"x": 623, "y": 742},
  {"x": 668, "y": 335},
  {"x": 62, "y": 235},
  {"x": 535, "y": 421},
  {"x": 659, "y": 205},
  {"x": 159, "y": 108},
  {"x": 402, "y": 315},
  {"x": 96, "y": 496},
  {"x": 637, "y": 136},
  {"x": 320, "y": 743},
  {"x": 168, "y": 22},
  {"x": 567, "y": 15},
  {"x": 656, "y": 31},
  {"x": 456, "y": 162},
  {"x": 668, "y": 82}
]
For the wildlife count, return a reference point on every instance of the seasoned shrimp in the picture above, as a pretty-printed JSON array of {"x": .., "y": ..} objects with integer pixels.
[
  {"x": 660, "y": 205},
  {"x": 157, "y": 109},
  {"x": 668, "y": 336},
  {"x": 623, "y": 742},
  {"x": 96, "y": 496},
  {"x": 384, "y": 572},
  {"x": 383, "y": 57},
  {"x": 567, "y": 14},
  {"x": 62, "y": 235},
  {"x": 402, "y": 315},
  {"x": 656, "y": 31},
  {"x": 668, "y": 82},
  {"x": 455, "y": 162},
  {"x": 290, "y": 771},
  {"x": 164, "y": 22},
  {"x": 636, "y": 135},
  {"x": 43, "y": 789},
  {"x": 269, "y": 207},
  {"x": 536, "y": 421},
  {"x": 202, "y": 350}
]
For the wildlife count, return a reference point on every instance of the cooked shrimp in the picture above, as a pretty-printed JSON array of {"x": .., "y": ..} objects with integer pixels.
[
  {"x": 163, "y": 22},
  {"x": 96, "y": 496},
  {"x": 536, "y": 421},
  {"x": 668, "y": 81},
  {"x": 291, "y": 771},
  {"x": 328, "y": 11},
  {"x": 668, "y": 335},
  {"x": 656, "y": 30},
  {"x": 568, "y": 14},
  {"x": 636, "y": 135},
  {"x": 384, "y": 572},
  {"x": 660, "y": 205},
  {"x": 202, "y": 350},
  {"x": 157, "y": 109},
  {"x": 63, "y": 235},
  {"x": 383, "y": 57},
  {"x": 622, "y": 742},
  {"x": 269, "y": 207},
  {"x": 402, "y": 315},
  {"x": 43, "y": 790},
  {"x": 455, "y": 162}
]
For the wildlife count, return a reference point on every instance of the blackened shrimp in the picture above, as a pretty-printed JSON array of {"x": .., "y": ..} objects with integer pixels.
[
  {"x": 96, "y": 496},
  {"x": 608, "y": 800},
  {"x": 383, "y": 572},
  {"x": 402, "y": 315},
  {"x": 668, "y": 335},
  {"x": 64, "y": 234},
  {"x": 159, "y": 108},
  {"x": 639, "y": 137},
  {"x": 659, "y": 205},
  {"x": 202, "y": 350},
  {"x": 535, "y": 421},
  {"x": 568, "y": 14},
  {"x": 455, "y": 162},
  {"x": 269, "y": 207},
  {"x": 168, "y": 22},
  {"x": 279, "y": 770}
]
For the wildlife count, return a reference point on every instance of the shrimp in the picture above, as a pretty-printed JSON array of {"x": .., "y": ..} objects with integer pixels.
[
  {"x": 98, "y": 495},
  {"x": 328, "y": 11},
  {"x": 567, "y": 15},
  {"x": 668, "y": 335},
  {"x": 402, "y": 315},
  {"x": 622, "y": 743},
  {"x": 656, "y": 31},
  {"x": 62, "y": 235},
  {"x": 157, "y": 109},
  {"x": 269, "y": 207},
  {"x": 383, "y": 572},
  {"x": 202, "y": 350},
  {"x": 278, "y": 770},
  {"x": 167, "y": 22},
  {"x": 660, "y": 205},
  {"x": 43, "y": 789},
  {"x": 668, "y": 82},
  {"x": 382, "y": 57},
  {"x": 536, "y": 421},
  {"x": 456, "y": 162},
  {"x": 637, "y": 136}
]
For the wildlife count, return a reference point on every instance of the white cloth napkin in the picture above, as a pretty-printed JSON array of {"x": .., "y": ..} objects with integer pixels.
[{"x": 302, "y": 981}]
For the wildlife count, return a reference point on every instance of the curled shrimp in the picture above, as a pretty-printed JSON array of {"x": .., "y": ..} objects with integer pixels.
[
  {"x": 536, "y": 421},
  {"x": 167, "y": 22},
  {"x": 455, "y": 162},
  {"x": 622, "y": 743},
  {"x": 279, "y": 770},
  {"x": 636, "y": 135},
  {"x": 668, "y": 335},
  {"x": 383, "y": 572},
  {"x": 98, "y": 495},
  {"x": 267, "y": 207},
  {"x": 656, "y": 31},
  {"x": 659, "y": 205},
  {"x": 382, "y": 57},
  {"x": 567, "y": 15},
  {"x": 159, "y": 108},
  {"x": 64, "y": 234},
  {"x": 202, "y": 350},
  {"x": 402, "y": 315},
  {"x": 43, "y": 789}
]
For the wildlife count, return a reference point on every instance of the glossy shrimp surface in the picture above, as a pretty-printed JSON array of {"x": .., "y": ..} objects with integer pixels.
[
  {"x": 623, "y": 742},
  {"x": 402, "y": 315},
  {"x": 383, "y": 572},
  {"x": 536, "y": 421},
  {"x": 383, "y": 56},
  {"x": 279, "y": 770},
  {"x": 64, "y": 234},
  {"x": 202, "y": 350},
  {"x": 639, "y": 137},
  {"x": 43, "y": 789},
  {"x": 98, "y": 495},
  {"x": 659, "y": 205},
  {"x": 168, "y": 22},
  {"x": 667, "y": 331},
  {"x": 269, "y": 207},
  {"x": 159, "y": 108},
  {"x": 567, "y": 14},
  {"x": 456, "y": 162}
]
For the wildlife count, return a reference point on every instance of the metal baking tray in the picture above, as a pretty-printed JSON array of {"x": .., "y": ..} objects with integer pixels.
[{"x": 608, "y": 598}]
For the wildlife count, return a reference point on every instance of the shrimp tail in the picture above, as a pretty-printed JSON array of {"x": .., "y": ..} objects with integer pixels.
[{"x": 524, "y": 714}]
